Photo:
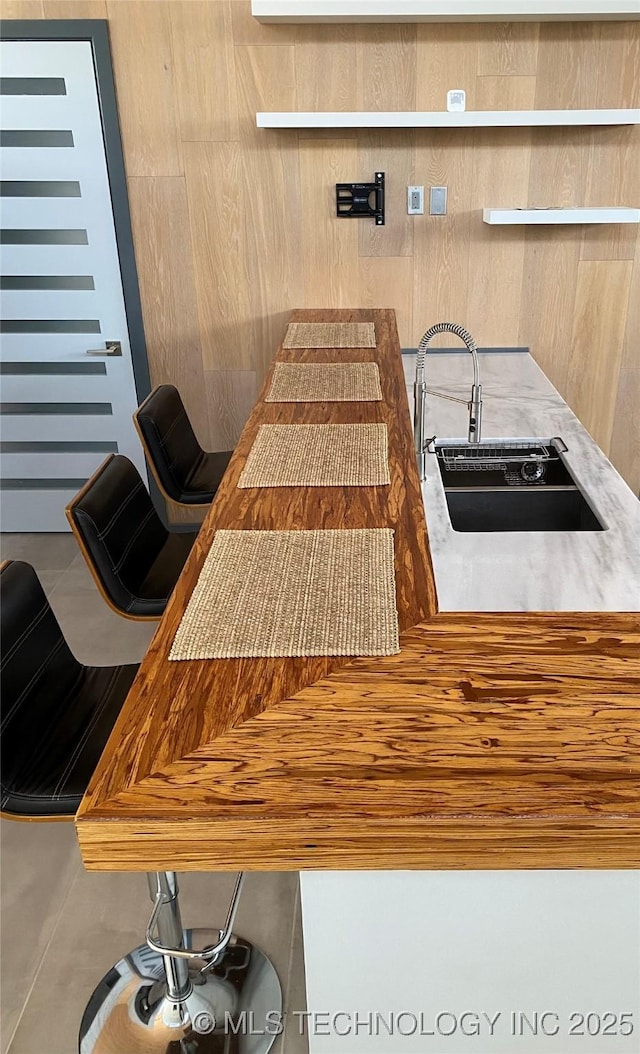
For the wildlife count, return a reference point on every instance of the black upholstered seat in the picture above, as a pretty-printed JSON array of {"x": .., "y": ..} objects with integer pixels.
[
  {"x": 56, "y": 713},
  {"x": 134, "y": 559},
  {"x": 185, "y": 472}
]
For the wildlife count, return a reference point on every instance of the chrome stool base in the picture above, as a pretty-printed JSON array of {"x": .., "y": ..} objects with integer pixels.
[{"x": 235, "y": 1006}]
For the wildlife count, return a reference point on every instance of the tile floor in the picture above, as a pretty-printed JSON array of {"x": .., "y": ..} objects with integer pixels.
[{"x": 62, "y": 928}]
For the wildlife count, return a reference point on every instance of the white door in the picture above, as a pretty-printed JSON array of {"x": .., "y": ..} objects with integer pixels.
[{"x": 67, "y": 400}]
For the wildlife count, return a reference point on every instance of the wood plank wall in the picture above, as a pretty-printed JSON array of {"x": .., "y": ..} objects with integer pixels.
[{"x": 233, "y": 226}]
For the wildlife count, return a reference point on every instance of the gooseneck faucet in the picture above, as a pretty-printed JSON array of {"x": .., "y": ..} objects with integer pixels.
[{"x": 420, "y": 390}]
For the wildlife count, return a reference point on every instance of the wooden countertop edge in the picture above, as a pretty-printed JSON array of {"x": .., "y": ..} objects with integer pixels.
[
  {"x": 598, "y": 836},
  {"x": 430, "y": 844}
]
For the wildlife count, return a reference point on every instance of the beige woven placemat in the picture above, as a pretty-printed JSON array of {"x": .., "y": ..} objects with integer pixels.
[
  {"x": 319, "y": 382},
  {"x": 280, "y": 593},
  {"x": 353, "y": 455},
  {"x": 330, "y": 335}
]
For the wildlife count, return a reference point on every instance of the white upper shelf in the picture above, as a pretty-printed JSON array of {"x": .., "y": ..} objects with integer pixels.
[
  {"x": 443, "y": 10},
  {"x": 605, "y": 214},
  {"x": 446, "y": 119}
]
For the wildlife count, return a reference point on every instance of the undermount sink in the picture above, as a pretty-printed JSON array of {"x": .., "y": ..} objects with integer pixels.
[{"x": 512, "y": 485}]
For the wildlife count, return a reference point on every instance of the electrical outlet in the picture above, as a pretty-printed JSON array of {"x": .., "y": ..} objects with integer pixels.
[
  {"x": 415, "y": 201},
  {"x": 438, "y": 201},
  {"x": 456, "y": 99}
]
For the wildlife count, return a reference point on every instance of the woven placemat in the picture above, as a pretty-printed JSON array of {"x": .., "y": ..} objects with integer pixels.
[
  {"x": 319, "y": 382},
  {"x": 280, "y": 593},
  {"x": 330, "y": 335},
  {"x": 352, "y": 455}
]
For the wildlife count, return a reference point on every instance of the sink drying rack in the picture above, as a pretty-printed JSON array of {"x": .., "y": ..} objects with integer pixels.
[{"x": 521, "y": 463}]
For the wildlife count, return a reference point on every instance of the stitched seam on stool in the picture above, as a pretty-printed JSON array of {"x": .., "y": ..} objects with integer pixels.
[
  {"x": 83, "y": 739},
  {"x": 133, "y": 540},
  {"x": 112, "y": 562},
  {"x": 116, "y": 514},
  {"x": 8, "y": 655},
  {"x": 45, "y": 662},
  {"x": 169, "y": 464}
]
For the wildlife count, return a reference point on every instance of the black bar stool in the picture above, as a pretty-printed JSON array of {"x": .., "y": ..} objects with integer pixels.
[
  {"x": 56, "y": 713},
  {"x": 133, "y": 558},
  {"x": 185, "y": 473},
  {"x": 165, "y": 996}
]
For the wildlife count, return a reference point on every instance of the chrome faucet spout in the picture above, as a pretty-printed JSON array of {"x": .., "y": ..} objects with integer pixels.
[
  {"x": 420, "y": 390},
  {"x": 419, "y": 415}
]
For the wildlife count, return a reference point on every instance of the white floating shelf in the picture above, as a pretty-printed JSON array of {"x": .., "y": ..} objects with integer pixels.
[
  {"x": 446, "y": 119},
  {"x": 443, "y": 10},
  {"x": 573, "y": 215}
]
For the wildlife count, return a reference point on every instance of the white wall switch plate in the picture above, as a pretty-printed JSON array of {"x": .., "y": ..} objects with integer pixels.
[
  {"x": 456, "y": 99},
  {"x": 438, "y": 201},
  {"x": 415, "y": 201}
]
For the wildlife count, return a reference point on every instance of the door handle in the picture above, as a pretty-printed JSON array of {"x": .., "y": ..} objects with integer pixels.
[{"x": 112, "y": 347}]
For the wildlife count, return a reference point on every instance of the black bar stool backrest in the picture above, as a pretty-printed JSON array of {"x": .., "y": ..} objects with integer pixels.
[
  {"x": 36, "y": 660},
  {"x": 122, "y": 534},
  {"x": 170, "y": 440},
  {"x": 57, "y": 713}
]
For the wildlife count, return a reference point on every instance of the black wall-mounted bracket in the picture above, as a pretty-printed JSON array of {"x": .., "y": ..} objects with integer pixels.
[{"x": 355, "y": 199}]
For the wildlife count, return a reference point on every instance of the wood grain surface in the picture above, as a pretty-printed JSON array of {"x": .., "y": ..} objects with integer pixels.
[
  {"x": 256, "y": 230},
  {"x": 490, "y": 740},
  {"x": 174, "y": 708},
  {"x": 602, "y": 293},
  {"x": 149, "y": 121}
]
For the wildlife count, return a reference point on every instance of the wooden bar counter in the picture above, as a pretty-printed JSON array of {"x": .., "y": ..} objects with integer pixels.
[{"x": 490, "y": 741}]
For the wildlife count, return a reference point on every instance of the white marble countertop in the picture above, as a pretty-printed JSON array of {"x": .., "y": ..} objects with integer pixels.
[{"x": 527, "y": 571}]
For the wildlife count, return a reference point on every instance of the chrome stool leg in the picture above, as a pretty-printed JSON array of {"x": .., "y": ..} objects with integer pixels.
[{"x": 167, "y": 997}]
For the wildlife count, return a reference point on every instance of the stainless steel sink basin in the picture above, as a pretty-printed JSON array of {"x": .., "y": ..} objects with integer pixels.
[{"x": 512, "y": 485}]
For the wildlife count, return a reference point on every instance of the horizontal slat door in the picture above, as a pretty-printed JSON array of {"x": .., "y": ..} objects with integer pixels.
[{"x": 61, "y": 289}]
